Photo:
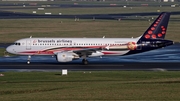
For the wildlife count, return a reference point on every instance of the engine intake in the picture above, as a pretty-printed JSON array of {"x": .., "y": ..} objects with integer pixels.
[{"x": 66, "y": 57}]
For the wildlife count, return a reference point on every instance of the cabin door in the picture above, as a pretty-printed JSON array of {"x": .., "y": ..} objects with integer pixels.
[{"x": 28, "y": 44}]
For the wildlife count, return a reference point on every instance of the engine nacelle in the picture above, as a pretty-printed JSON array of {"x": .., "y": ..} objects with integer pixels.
[
  {"x": 97, "y": 53},
  {"x": 66, "y": 56}
]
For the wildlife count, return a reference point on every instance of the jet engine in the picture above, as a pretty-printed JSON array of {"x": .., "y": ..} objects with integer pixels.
[
  {"x": 97, "y": 53},
  {"x": 66, "y": 56}
]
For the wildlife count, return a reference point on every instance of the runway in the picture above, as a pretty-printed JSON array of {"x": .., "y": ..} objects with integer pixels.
[
  {"x": 124, "y": 16},
  {"x": 91, "y": 67},
  {"x": 165, "y": 59}
]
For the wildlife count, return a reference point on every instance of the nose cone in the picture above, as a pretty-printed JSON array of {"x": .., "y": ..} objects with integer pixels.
[{"x": 10, "y": 49}]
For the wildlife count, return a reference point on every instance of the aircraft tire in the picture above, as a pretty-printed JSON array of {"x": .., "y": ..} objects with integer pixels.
[
  {"x": 85, "y": 62},
  {"x": 28, "y": 62}
]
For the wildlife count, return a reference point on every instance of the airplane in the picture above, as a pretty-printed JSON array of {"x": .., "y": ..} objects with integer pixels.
[{"x": 69, "y": 49}]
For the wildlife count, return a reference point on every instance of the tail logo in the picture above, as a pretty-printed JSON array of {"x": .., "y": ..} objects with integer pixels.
[
  {"x": 131, "y": 45},
  {"x": 34, "y": 41},
  {"x": 152, "y": 31}
]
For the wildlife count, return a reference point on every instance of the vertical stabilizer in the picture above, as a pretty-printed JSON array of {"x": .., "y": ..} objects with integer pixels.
[{"x": 158, "y": 28}]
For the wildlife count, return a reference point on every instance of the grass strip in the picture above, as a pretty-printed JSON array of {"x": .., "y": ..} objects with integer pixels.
[{"x": 96, "y": 85}]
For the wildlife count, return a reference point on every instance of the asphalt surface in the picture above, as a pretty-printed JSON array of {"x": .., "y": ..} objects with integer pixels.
[
  {"x": 77, "y": 5},
  {"x": 91, "y": 67},
  {"x": 17, "y": 15}
]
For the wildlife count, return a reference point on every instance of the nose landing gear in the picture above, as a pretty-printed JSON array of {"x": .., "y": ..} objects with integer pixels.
[{"x": 28, "y": 60}]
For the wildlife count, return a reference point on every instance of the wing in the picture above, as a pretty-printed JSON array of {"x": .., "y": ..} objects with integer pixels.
[
  {"x": 81, "y": 51},
  {"x": 87, "y": 51}
]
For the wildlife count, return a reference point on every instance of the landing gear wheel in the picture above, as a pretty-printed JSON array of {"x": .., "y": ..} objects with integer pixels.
[
  {"x": 29, "y": 58},
  {"x": 28, "y": 62},
  {"x": 85, "y": 62}
]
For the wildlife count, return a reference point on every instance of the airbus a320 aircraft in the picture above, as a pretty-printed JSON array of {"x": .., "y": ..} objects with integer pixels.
[{"x": 68, "y": 49}]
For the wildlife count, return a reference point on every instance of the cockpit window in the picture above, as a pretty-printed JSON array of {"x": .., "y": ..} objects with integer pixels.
[{"x": 17, "y": 43}]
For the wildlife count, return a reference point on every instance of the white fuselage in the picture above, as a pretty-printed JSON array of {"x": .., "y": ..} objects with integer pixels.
[{"x": 51, "y": 46}]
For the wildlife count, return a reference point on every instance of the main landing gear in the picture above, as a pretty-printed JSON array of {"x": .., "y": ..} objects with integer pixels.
[
  {"x": 28, "y": 60},
  {"x": 84, "y": 61}
]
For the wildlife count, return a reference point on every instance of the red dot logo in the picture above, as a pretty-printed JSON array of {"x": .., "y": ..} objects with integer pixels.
[
  {"x": 153, "y": 36},
  {"x": 155, "y": 25},
  {"x": 149, "y": 32},
  {"x": 163, "y": 29},
  {"x": 157, "y": 22},
  {"x": 159, "y": 35},
  {"x": 163, "y": 32},
  {"x": 152, "y": 28},
  {"x": 34, "y": 41},
  {"x": 147, "y": 36}
]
